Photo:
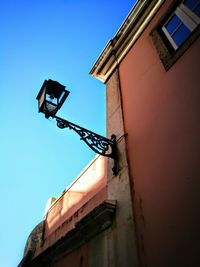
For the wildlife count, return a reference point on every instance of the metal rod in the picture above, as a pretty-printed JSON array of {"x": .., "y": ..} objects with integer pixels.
[{"x": 99, "y": 144}]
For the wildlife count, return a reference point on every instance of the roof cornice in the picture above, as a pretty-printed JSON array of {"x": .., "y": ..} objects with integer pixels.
[{"x": 117, "y": 48}]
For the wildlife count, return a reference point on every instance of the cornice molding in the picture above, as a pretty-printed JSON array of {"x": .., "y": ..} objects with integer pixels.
[
  {"x": 117, "y": 48},
  {"x": 87, "y": 228}
]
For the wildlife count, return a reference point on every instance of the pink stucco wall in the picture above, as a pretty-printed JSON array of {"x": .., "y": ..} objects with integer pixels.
[
  {"x": 162, "y": 118},
  {"x": 84, "y": 194},
  {"x": 79, "y": 258},
  {"x": 89, "y": 185}
]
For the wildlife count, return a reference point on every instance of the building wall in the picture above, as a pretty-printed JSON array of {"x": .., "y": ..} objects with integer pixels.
[
  {"x": 81, "y": 197},
  {"x": 93, "y": 253},
  {"x": 78, "y": 258},
  {"x": 161, "y": 116},
  {"x": 122, "y": 247},
  {"x": 89, "y": 183}
]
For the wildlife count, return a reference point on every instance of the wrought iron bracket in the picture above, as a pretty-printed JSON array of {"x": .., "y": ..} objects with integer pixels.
[{"x": 99, "y": 144}]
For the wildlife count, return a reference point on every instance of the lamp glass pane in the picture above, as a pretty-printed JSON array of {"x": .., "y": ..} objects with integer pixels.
[
  {"x": 41, "y": 99},
  {"x": 51, "y": 99},
  {"x": 50, "y": 107}
]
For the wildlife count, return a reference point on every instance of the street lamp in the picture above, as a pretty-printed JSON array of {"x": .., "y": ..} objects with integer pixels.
[{"x": 50, "y": 99}]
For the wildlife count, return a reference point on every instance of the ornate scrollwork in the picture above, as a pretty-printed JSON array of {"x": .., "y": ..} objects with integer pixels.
[{"x": 99, "y": 144}]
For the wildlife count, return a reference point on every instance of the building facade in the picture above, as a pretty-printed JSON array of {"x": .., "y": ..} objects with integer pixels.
[{"x": 148, "y": 214}]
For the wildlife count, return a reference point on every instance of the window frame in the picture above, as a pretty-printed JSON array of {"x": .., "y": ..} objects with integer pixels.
[
  {"x": 187, "y": 17},
  {"x": 166, "y": 47}
]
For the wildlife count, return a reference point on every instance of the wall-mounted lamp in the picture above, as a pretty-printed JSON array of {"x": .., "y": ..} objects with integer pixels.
[{"x": 50, "y": 99}]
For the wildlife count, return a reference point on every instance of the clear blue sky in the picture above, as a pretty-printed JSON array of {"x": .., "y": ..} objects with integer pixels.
[{"x": 42, "y": 39}]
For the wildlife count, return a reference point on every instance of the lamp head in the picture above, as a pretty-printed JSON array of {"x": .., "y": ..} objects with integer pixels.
[{"x": 51, "y": 97}]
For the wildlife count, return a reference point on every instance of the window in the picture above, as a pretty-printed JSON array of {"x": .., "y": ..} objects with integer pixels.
[
  {"x": 182, "y": 22},
  {"x": 193, "y": 5},
  {"x": 177, "y": 30}
]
